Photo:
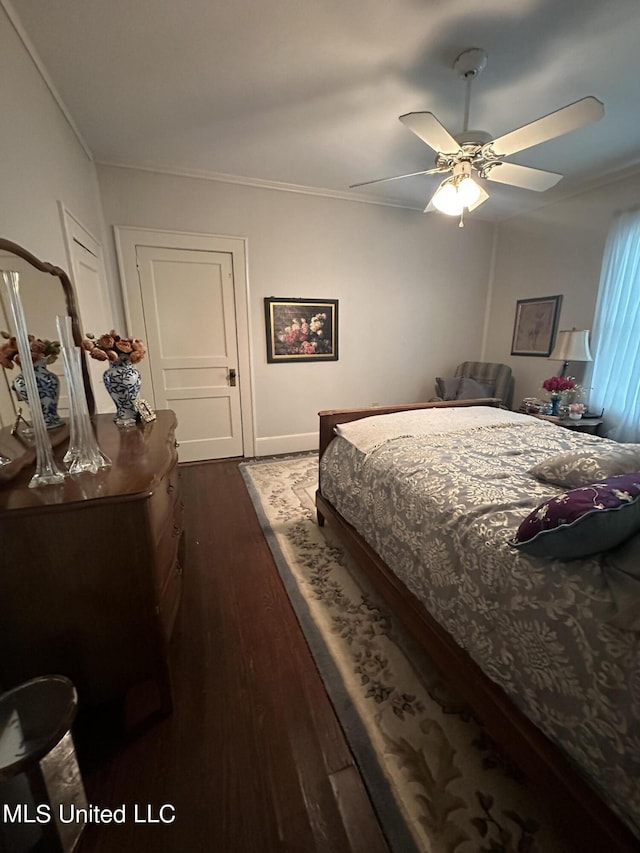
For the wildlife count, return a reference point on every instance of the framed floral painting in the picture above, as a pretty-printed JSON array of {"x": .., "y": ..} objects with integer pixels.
[
  {"x": 535, "y": 326},
  {"x": 301, "y": 329}
]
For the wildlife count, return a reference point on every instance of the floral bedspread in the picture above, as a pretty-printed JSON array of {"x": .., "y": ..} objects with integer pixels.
[{"x": 440, "y": 510}]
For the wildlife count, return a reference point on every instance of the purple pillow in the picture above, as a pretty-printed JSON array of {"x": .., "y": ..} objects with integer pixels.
[{"x": 584, "y": 521}]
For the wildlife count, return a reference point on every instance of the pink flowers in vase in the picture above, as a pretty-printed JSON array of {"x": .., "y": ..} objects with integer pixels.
[{"x": 576, "y": 411}]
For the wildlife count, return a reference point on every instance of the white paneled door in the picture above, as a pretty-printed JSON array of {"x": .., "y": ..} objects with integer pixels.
[
  {"x": 190, "y": 324},
  {"x": 88, "y": 278}
]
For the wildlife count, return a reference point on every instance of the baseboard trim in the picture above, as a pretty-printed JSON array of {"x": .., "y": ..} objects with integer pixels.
[{"x": 277, "y": 444}]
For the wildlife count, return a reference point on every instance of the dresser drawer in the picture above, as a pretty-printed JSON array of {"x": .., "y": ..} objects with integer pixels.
[
  {"x": 166, "y": 547},
  {"x": 163, "y": 502}
]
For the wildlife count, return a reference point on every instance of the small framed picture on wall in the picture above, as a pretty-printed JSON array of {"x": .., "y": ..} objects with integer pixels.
[
  {"x": 535, "y": 326},
  {"x": 301, "y": 329}
]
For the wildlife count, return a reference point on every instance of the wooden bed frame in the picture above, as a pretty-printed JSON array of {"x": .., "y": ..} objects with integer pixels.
[{"x": 582, "y": 818}]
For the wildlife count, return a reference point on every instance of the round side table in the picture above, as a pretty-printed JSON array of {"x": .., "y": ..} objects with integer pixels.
[{"x": 41, "y": 787}]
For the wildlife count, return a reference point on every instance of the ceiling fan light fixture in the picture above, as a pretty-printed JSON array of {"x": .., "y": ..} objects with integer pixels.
[
  {"x": 468, "y": 192},
  {"x": 457, "y": 192},
  {"x": 447, "y": 200}
]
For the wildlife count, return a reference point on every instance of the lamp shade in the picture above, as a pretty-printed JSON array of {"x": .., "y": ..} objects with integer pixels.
[
  {"x": 572, "y": 345},
  {"x": 468, "y": 192},
  {"x": 447, "y": 200}
]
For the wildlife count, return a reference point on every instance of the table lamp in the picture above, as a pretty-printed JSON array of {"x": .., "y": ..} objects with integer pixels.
[{"x": 571, "y": 345}]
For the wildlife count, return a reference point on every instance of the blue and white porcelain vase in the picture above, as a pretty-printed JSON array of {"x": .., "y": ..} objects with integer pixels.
[
  {"x": 122, "y": 381},
  {"x": 48, "y": 390}
]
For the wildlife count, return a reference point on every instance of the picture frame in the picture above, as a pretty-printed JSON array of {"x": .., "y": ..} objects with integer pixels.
[
  {"x": 535, "y": 326},
  {"x": 301, "y": 329},
  {"x": 144, "y": 410}
]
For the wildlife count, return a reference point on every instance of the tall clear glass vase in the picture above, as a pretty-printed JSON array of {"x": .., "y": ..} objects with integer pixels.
[
  {"x": 47, "y": 472},
  {"x": 83, "y": 454}
]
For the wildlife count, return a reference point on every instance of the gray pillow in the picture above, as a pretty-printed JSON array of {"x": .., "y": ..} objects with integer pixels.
[
  {"x": 469, "y": 389},
  {"x": 447, "y": 389},
  {"x": 581, "y": 467}
]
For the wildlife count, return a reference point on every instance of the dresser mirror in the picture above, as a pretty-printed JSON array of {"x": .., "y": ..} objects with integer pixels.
[{"x": 45, "y": 293}]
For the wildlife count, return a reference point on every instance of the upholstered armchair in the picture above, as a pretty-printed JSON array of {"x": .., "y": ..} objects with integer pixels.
[{"x": 487, "y": 379}]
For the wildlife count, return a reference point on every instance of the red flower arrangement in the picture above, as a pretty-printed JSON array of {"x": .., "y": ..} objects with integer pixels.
[
  {"x": 558, "y": 384},
  {"x": 111, "y": 347}
]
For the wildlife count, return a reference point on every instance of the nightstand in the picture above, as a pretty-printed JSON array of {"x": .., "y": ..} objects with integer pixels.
[{"x": 588, "y": 425}]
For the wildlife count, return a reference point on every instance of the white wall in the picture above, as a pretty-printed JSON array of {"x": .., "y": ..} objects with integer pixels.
[
  {"x": 42, "y": 161},
  {"x": 411, "y": 287},
  {"x": 557, "y": 250}
]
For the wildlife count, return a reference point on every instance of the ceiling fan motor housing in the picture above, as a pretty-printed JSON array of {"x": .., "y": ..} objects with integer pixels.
[
  {"x": 473, "y": 137},
  {"x": 471, "y": 154}
]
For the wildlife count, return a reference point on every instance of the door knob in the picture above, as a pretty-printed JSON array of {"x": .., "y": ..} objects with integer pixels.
[{"x": 232, "y": 377}]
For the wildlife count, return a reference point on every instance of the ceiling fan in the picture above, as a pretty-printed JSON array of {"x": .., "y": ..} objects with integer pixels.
[{"x": 475, "y": 152}]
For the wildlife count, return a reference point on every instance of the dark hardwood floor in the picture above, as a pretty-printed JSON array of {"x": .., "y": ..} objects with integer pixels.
[{"x": 252, "y": 757}]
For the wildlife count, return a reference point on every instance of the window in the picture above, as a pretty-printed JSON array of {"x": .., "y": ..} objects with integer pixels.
[{"x": 615, "y": 375}]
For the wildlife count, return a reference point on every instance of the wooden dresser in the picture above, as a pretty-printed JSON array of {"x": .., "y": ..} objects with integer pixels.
[{"x": 91, "y": 569}]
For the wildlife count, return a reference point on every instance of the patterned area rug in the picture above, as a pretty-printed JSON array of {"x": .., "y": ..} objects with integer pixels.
[{"x": 438, "y": 784}]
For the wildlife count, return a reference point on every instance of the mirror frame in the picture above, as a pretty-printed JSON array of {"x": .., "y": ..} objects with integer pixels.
[{"x": 70, "y": 301}]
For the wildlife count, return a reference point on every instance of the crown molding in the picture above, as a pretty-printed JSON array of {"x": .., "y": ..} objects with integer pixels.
[
  {"x": 260, "y": 183},
  {"x": 604, "y": 179}
]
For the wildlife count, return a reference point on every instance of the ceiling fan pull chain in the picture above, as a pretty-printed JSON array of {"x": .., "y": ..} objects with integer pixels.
[{"x": 461, "y": 223}]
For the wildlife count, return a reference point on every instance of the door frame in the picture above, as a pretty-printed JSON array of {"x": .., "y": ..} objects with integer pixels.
[
  {"x": 74, "y": 232},
  {"x": 127, "y": 238}
]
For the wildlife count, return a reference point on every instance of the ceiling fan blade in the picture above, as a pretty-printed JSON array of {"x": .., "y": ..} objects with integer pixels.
[
  {"x": 396, "y": 177},
  {"x": 523, "y": 176},
  {"x": 427, "y": 127},
  {"x": 548, "y": 127}
]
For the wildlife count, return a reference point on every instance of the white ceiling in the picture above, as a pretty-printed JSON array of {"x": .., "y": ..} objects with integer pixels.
[{"x": 308, "y": 92}]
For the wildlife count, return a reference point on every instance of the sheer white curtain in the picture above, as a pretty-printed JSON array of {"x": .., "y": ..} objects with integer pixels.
[{"x": 615, "y": 374}]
